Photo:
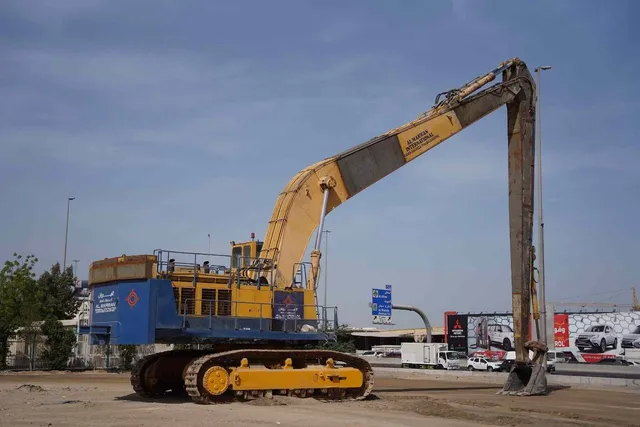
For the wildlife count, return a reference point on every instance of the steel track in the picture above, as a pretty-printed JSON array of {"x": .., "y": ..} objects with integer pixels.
[
  {"x": 197, "y": 368},
  {"x": 142, "y": 373}
]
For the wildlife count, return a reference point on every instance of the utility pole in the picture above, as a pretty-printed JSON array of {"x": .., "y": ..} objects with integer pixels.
[
  {"x": 66, "y": 234},
  {"x": 542, "y": 298}
]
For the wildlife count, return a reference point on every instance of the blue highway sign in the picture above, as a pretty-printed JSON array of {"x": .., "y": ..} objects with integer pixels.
[{"x": 381, "y": 305}]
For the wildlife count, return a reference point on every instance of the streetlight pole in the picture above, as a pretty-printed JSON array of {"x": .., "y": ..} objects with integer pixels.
[
  {"x": 66, "y": 234},
  {"x": 542, "y": 298},
  {"x": 75, "y": 267}
]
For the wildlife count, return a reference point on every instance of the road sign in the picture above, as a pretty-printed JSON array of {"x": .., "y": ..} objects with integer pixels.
[{"x": 381, "y": 305}]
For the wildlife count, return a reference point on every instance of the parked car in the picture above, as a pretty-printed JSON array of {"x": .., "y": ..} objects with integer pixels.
[
  {"x": 556, "y": 356},
  {"x": 506, "y": 365},
  {"x": 598, "y": 337},
  {"x": 482, "y": 364}
]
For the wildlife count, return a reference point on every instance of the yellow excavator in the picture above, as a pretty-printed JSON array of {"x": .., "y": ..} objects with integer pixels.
[{"x": 254, "y": 314}]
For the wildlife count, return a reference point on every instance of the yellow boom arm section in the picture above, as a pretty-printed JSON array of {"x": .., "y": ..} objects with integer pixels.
[{"x": 301, "y": 206}]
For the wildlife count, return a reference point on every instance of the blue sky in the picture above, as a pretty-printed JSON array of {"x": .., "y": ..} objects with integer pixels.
[{"x": 171, "y": 120}]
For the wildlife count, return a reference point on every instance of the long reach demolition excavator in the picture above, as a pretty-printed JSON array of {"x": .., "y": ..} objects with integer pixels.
[{"x": 252, "y": 317}]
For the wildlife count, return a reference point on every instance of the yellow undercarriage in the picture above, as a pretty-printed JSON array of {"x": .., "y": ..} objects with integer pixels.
[{"x": 218, "y": 380}]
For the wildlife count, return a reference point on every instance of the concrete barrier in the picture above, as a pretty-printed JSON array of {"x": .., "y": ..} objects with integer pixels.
[
  {"x": 598, "y": 369},
  {"x": 500, "y": 377}
]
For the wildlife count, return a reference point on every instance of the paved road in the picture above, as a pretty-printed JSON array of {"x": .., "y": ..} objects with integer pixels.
[{"x": 569, "y": 369}]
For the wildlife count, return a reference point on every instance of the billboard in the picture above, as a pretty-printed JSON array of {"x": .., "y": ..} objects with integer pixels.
[
  {"x": 594, "y": 336},
  {"x": 457, "y": 332},
  {"x": 490, "y": 335},
  {"x": 81, "y": 288},
  {"x": 585, "y": 337}
]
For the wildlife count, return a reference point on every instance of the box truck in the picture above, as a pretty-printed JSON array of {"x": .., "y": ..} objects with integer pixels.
[{"x": 428, "y": 355}]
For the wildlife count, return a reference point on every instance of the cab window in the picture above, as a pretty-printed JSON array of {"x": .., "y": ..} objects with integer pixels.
[
  {"x": 246, "y": 255},
  {"x": 258, "y": 249},
  {"x": 236, "y": 254}
]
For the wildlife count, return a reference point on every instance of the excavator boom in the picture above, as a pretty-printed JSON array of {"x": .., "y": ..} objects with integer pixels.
[{"x": 321, "y": 187}]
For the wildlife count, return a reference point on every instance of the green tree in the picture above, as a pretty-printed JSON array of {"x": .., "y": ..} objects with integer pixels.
[
  {"x": 59, "y": 343},
  {"x": 25, "y": 300},
  {"x": 57, "y": 289},
  {"x": 18, "y": 299},
  {"x": 344, "y": 341}
]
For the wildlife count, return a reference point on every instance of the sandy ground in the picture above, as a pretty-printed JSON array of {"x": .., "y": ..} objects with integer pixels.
[{"x": 99, "y": 399}]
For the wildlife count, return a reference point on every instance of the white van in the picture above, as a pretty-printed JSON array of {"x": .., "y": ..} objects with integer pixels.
[{"x": 551, "y": 359}]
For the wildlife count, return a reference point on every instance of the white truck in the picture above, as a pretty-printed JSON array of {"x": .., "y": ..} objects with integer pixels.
[{"x": 428, "y": 355}]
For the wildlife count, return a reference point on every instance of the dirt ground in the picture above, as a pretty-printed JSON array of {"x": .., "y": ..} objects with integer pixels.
[{"x": 99, "y": 399}]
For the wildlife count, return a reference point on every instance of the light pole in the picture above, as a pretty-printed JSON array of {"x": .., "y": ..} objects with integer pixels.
[
  {"x": 66, "y": 234},
  {"x": 75, "y": 267},
  {"x": 542, "y": 298},
  {"x": 326, "y": 257}
]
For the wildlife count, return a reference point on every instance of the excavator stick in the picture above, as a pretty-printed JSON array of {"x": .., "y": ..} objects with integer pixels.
[{"x": 527, "y": 377}]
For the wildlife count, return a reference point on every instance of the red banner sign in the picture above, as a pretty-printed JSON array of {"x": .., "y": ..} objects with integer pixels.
[
  {"x": 595, "y": 358},
  {"x": 561, "y": 330}
]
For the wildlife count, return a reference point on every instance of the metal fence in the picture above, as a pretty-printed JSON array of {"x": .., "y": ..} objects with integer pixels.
[{"x": 102, "y": 362}]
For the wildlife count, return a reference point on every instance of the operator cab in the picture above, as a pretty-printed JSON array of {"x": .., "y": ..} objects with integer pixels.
[{"x": 243, "y": 254}]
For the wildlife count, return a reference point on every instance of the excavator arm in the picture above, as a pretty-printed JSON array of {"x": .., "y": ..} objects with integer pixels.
[{"x": 321, "y": 187}]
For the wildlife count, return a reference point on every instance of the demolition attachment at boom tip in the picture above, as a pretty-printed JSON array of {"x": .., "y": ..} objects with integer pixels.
[{"x": 528, "y": 378}]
